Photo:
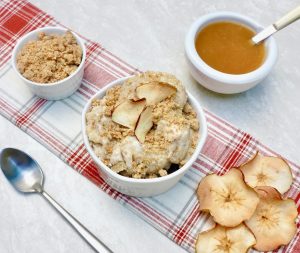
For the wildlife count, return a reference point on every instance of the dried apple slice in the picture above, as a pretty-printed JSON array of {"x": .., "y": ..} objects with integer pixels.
[
  {"x": 128, "y": 112},
  {"x": 267, "y": 192},
  {"x": 267, "y": 171},
  {"x": 227, "y": 198},
  {"x": 273, "y": 222},
  {"x": 154, "y": 93},
  {"x": 225, "y": 240},
  {"x": 144, "y": 124}
]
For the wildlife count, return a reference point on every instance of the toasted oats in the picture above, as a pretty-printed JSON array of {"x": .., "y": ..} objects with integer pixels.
[{"x": 50, "y": 58}]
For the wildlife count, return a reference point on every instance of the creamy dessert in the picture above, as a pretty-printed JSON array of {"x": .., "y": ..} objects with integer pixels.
[
  {"x": 50, "y": 58},
  {"x": 144, "y": 127}
]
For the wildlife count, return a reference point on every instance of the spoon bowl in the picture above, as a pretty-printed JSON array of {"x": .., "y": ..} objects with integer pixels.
[
  {"x": 25, "y": 175},
  {"x": 21, "y": 170}
]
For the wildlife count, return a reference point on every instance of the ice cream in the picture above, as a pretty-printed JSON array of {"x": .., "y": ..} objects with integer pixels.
[{"x": 139, "y": 129}]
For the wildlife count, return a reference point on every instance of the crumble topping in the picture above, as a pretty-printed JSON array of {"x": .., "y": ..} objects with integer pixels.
[{"x": 50, "y": 58}]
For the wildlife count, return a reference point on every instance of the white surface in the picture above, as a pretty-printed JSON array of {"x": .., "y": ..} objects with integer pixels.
[
  {"x": 143, "y": 187},
  {"x": 148, "y": 35},
  {"x": 221, "y": 82},
  {"x": 60, "y": 89}
]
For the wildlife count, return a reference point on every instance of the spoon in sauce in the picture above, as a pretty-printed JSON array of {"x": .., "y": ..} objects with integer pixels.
[{"x": 286, "y": 20}]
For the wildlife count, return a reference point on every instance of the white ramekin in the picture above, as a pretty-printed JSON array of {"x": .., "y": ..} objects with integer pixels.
[
  {"x": 215, "y": 80},
  {"x": 143, "y": 187},
  {"x": 56, "y": 90}
]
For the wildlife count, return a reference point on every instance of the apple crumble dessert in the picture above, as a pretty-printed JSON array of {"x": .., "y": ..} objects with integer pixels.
[
  {"x": 50, "y": 58},
  {"x": 142, "y": 128}
]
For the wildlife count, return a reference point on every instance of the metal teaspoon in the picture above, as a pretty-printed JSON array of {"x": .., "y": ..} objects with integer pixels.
[{"x": 26, "y": 176}]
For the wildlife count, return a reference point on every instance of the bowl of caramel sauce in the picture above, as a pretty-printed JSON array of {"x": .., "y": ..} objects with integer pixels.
[{"x": 221, "y": 55}]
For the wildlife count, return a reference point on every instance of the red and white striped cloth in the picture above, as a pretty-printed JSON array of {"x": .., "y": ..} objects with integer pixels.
[{"x": 175, "y": 213}]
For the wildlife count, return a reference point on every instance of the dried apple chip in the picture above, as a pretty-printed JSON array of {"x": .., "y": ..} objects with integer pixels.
[
  {"x": 144, "y": 124},
  {"x": 225, "y": 240},
  {"x": 128, "y": 113},
  {"x": 273, "y": 222},
  {"x": 267, "y": 192},
  {"x": 155, "y": 92},
  {"x": 267, "y": 171},
  {"x": 227, "y": 198}
]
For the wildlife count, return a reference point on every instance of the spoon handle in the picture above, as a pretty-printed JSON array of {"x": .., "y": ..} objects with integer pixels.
[
  {"x": 288, "y": 18},
  {"x": 86, "y": 234}
]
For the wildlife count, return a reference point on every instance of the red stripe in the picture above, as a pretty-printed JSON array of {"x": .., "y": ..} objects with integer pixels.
[
  {"x": 99, "y": 60},
  {"x": 50, "y": 139},
  {"x": 74, "y": 154},
  {"x": 195, "y": 166},
  {"x": 24, "y": 118},
  {"x": 182, "y": 232},
  {"x": 236, "y": 154},
  {"x": 6, "y": 107},
  {"x": 297, "y": 198},
  {"x": 7, "y": 9},
  {"x": 296, "y": 243},
  {"x": 296, "y": 201},
  {"x": 88, "y": 90},
  {"x": 83, "y": 93}
]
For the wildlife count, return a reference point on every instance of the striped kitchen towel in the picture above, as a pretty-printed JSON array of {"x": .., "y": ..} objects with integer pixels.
[{"x": 175, "y": 213}]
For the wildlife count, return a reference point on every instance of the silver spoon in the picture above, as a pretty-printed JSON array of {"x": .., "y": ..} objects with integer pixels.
[
  {"x": 24, "y": 173},
  {"x": 287, "y": 19}
]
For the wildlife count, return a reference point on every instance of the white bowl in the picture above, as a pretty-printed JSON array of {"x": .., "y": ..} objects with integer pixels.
[
  {"x": 56, "y": 90},
  {"x": 143, "y": 187},
  {"x": 221, "y": 82}
]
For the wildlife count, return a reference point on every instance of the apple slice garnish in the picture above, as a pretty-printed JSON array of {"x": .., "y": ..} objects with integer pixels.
[
  {"x": 144, "y": 124},
  {"x": 154, "y": 93},
  {"x": 268, "y": 171},
  {"x": 274, "y": 220},
  {"x": 267, "y": 192},
  {"x": 128, "y": 112},
  {"x": 225, "y": 240},
  {"x": 227, "y": 198}
]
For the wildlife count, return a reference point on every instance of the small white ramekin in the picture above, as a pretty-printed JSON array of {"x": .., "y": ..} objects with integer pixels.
[
  {"x": 221, "y": 82},
  {"x": 143, "y": 187},
  {"x": 56, "y": 90}
]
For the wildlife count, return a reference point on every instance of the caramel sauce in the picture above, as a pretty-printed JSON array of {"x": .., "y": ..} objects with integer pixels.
[{"x": 227, "y": 47}]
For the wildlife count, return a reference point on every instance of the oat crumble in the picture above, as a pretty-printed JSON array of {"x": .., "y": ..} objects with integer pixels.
[{"x": 50, "y": 58}]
